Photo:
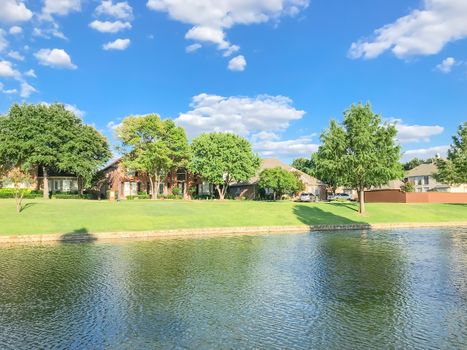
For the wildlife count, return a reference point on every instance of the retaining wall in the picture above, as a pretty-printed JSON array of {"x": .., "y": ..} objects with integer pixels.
[{"x": 396, "y": 196}]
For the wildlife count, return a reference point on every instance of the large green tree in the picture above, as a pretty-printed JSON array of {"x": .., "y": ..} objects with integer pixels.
[
  {"x": 279, "y": 181},
  {"x": 50, "y": 137},
  {"x": 222, "y": 158},
  {"x": 153, "y": 146},
  {"x": 360, "y": 153},
  {"x": 453, "y": 170}
]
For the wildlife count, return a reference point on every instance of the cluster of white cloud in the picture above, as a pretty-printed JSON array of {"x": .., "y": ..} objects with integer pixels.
[
  {"x": 211, "y": 18},
  {"x": 13, "y": 11},
  {"x": 259, "y": 118},
  {"x": 425, "y": 153},
  {"x": 117, "y": 17},
  {"x": 446, "y": 65},
  {"x": 422, "y": 32},
  {"x": 55, "y": 58},
  {"x": 237, "y": 63},
  {"x": 415, "y": 133}
]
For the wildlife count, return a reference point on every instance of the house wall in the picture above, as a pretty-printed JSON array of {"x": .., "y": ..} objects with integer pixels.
[
  {"x": 246, "y": 191},
  {"x": 388, "y": 196}
]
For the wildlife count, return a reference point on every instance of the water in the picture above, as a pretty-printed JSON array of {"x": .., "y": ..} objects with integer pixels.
[{"x": 376, "y": 289}]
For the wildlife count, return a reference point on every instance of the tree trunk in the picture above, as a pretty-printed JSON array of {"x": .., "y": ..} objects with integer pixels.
[
  {"x": 153, "y": 190},
  {"x": 361, "y": 201},
  {"x": 80, "y": 185},
  {"x": 221, "y": 192},
  {"x": 46, "y": 183},
  {"x": 274, "y": 195}
]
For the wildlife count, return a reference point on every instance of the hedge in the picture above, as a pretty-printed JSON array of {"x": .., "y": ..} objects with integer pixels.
[{"x": 10, "y": 193}]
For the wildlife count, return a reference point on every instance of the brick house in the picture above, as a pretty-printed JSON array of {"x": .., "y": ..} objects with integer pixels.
[{"x": 125, "y": 182}]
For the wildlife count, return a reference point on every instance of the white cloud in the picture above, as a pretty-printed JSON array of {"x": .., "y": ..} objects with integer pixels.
[
  {"x": 14, "y": 11},
  {"x": 49, "y": 29},
  {"x": 30, "y": 73},
  {"x": 446, "y": 65},
  {"x": 15, "y": 30},
  {"x": 415, "y": 133},
  {"x": 300, "y": 147},
  {"x": 7, "y": 70},
  {"x": 240, "y": 115},
  {"x": 193, "y": 47},
  {"x": 112, "y": 126},
  {"x": 16, "y": 55},
  {"x": 119, "y": 44},
  {"x": 60, "y": 7},
  {"x": 120, "y": 10},
  {"x": 237, "y": 63},
  {"x": 3, "y": 41},
  {"x": 210, "y": 18},
  {"x": 7, "y": 91},
  {"x": 26, "y": 90},
  {"x": 56, "y": 58},
  {"x": 424, "y": 153},
  {"x": 109, "y": 27},
  {"x": 422, "y": 32}
]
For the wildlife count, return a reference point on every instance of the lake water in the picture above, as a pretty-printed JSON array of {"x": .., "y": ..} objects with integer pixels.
[{"x": 373, "y": 289}]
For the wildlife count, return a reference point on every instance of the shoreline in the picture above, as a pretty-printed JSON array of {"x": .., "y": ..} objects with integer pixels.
[{"x": 210, "y": 232}]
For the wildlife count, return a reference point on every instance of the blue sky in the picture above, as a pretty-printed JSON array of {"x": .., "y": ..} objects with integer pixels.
[{"x": 274, "y": 71}]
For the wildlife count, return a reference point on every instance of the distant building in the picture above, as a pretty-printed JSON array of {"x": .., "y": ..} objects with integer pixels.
[
  {"x": 249, "y": 189},
  {"x": 424, "y": 181}
]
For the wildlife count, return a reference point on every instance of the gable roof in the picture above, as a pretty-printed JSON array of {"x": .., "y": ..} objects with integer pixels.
[
  {"x": 270, "y": 163},
  {"x": 423, "y": 170}
]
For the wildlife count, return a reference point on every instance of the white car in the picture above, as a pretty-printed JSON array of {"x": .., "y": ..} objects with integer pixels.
[
  {"x": 307, "y": 197},
  {"x": 340, "y": 196}
]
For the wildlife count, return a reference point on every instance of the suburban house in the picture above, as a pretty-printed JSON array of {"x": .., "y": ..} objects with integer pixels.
[
  {"x": 59, "y": 181},
  {"x": 125, "y": 182},
  {"x": 422, "y": 177},
  {"x": 249, "y": 189}
]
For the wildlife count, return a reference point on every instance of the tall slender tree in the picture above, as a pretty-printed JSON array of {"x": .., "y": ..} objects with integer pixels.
[
  {"x": 360, "y": 153},
  {"x": 153, "y": 146}
]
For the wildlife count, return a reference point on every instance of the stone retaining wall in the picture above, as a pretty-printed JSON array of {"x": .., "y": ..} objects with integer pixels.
[{"x": 83, "y": 237}]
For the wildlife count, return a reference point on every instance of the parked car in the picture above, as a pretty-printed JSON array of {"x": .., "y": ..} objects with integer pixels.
[
  {"x": 307, "y": 197},
  {"x": 340, "y": 196}
]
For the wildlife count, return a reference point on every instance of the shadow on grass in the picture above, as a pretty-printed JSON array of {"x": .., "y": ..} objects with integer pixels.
[
  {"x": 26, "y": 206},
  {"x": 77, "y": 236},
  {"x": 350, "y": 205},
  {"x": 311, "y": 215}
]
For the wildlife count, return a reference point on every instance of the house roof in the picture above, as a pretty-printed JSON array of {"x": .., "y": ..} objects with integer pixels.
[
  {"x": 269, "y": 163},
  {"x": 423, "y": 170},
  {"x": 391, "y": 185}
]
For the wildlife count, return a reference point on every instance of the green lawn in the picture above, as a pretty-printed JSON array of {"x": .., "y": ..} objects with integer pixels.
[{"x": 67, "y": 216}]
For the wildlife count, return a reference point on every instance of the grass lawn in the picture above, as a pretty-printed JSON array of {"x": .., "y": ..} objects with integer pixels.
[{"x": 68, "y": 216}]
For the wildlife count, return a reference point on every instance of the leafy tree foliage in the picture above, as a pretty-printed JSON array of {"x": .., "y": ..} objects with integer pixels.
[
  {"x": 222, "y": 158},
  {"x": 153, "y": 146},
  {"x": 415, "y": 162},
  {"x": 327, "y": 161},
  {"x": 279, "y": 181},
  {"x": 305, "y": 165},
  {"x": 20, "y": 180},
  {"x": 453, "y": 170},
  {"x": 50, "y": 137},
  {"x": 360, "y": 153}
]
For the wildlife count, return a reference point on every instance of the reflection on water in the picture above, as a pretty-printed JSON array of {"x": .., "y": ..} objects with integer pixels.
[{"x": 397, "y": 289}]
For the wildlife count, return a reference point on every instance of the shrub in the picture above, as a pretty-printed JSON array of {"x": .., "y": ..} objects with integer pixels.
[
  {"x": 143, "y": 195},
  {"x": 176, "y": 191},
  {"x": 130, "y": 198},
  {"x": 65, "y": 195}
]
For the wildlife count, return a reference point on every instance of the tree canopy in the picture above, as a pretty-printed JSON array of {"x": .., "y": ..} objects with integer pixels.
[
  {"x": 279, "y": 181},
  {"x": 51, "y": 137},
  {"x": 453, "y": 170},
  {"x": 153, "y": 146},
  {"x": 359, "y": 153},
  {"x": 305, "y": 165},
  {"x": 222, "y": 158}
]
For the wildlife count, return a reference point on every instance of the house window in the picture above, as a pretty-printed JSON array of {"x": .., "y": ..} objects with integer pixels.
[
  {"x": 419, "y": 181},
  {"x": 130, "y": 173},
  {"x": 161, "y": 188},
  {"x": 205, "y": 188},
  {"x": 130, "y": 189},
  {"x": 181, "y": 175},
  {"x": 426, "y": 180}
]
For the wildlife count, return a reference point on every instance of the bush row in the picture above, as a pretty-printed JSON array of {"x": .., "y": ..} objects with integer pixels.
[{"x": 10, "y": 193}]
